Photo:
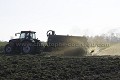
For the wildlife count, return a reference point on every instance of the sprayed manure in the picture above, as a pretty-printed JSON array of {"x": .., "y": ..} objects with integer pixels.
[{"x": 69, "y": 46}]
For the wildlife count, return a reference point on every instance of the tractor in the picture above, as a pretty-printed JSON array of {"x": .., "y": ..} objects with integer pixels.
[{"x": 26, "y": 43}]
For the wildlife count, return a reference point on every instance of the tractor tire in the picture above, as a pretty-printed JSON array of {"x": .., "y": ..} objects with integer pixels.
[
  {"x": 28, "y": 48},
  {"x": 9, "y": 49}
]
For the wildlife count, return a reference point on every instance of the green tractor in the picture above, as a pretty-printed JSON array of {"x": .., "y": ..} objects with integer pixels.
[{"x": 26, "y": 43}]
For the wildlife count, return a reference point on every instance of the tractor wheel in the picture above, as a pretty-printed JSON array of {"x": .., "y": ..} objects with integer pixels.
[
  {"x": 9, "y": 49},
  {"x": 28, "y": 48}
]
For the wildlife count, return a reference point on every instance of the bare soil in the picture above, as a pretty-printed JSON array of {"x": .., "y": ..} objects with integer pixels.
[{"x": 37, "y": 67}]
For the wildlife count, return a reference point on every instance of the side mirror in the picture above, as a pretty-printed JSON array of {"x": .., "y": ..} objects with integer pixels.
[{"x": 15, "y": 34}]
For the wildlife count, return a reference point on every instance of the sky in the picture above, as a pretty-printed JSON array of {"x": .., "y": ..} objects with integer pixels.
[{"x": 66, "y": 17}]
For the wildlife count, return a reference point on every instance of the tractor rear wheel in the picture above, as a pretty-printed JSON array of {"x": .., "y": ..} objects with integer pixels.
[{"x": 9, "y": 49}]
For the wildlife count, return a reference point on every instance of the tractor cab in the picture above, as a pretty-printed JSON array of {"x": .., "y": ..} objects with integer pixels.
[{"x": 27, "y": 35}]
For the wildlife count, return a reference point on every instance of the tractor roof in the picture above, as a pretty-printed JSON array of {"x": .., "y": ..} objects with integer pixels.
[{"x": 28, "y": 32}]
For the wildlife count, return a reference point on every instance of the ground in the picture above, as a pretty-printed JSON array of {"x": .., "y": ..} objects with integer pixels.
[
  {"x": 39, "y": 67},
  {"x": 2, "y": 44},
  {"x": 51, "y": 67}
]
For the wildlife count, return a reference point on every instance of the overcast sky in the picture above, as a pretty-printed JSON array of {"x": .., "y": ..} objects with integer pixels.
[{"x": 73, "y": 17}]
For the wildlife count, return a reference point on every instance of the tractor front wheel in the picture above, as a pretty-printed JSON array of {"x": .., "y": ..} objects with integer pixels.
[{"x": 27, "y": 48}]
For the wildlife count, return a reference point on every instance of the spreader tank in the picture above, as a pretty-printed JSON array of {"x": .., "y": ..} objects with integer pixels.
[{"x": 71, "y": 45}]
